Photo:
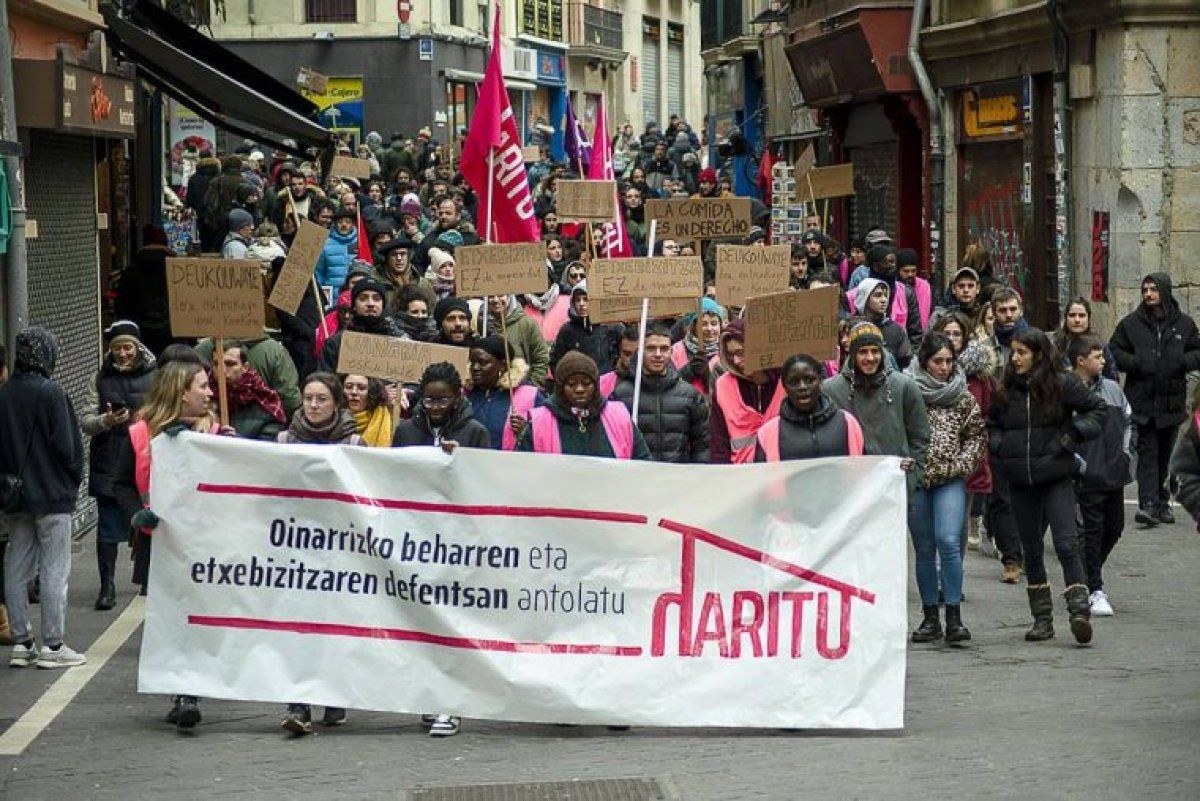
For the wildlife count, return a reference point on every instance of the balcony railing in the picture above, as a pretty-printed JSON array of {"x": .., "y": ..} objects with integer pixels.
[
  {"x": 589, "y": 23},
  {"x": 330, "y": 11}
]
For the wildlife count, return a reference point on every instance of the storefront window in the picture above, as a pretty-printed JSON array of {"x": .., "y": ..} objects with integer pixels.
[{"x": 460, "y": 104}]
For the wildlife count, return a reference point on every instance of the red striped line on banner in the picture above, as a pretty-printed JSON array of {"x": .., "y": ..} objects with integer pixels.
[
  {"x": 423, "y": 506},
  {"x": 410, "y": 635},
  {"x": 755, "y": 555}
]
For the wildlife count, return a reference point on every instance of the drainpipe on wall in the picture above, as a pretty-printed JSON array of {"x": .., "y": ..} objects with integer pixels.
[
  {"x": 250, "y": 14},
  {"x": 1062, "y": 185},
  {"x": 937, "y": 153},
  {"x": 16, "y": 261}
]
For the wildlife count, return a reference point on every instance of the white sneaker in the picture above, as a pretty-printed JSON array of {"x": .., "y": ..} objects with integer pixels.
[
  {"x": 444, "y": 726},
  {"x": 23, "y": 656},
  {"x": 1100, "y": 605},
  {"x": 49, "y": 659}
]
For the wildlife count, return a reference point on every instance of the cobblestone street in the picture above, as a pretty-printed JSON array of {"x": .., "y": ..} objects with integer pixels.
[{"x": 1000, "y": 718}]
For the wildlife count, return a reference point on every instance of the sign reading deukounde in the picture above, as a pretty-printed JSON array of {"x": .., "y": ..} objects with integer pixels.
[{"x": 407, "y": 581}]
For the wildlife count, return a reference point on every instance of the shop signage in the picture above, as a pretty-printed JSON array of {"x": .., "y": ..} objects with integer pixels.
[
  {"x": 550, "y": 70},
  {"x": 83, "y": 100},
  {"x": 994, "y": 113}
]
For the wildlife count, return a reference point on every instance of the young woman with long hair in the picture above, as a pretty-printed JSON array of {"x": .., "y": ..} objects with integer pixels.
[
  {"x": 1077, "y": 323},
  {"x": 1039, "y": 416}
]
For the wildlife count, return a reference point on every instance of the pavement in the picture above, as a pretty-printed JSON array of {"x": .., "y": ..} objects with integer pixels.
[{"x": 1000, "y": 718}]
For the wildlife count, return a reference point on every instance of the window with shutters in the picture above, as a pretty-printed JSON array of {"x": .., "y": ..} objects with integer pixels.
[
  {"x": 651, "y": 33},
  {"x": 330, "y": 10},
  {"x": 675, "y": 69}
]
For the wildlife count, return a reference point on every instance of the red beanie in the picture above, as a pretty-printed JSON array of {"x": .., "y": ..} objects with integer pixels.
[{"x": 709, "y": 175}]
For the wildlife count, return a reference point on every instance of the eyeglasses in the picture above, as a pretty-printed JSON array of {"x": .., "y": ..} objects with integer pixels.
[{"x": 434, "y": 403}]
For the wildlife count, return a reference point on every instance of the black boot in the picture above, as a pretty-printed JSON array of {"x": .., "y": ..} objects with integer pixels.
[
  {"x": 955, "y": 630},
  {"x": 930, "y": 629},
  {"x": 1041, "y": 606},
  {"x": 1079, "y": 613},
  {"x": 106, "y": 560}
]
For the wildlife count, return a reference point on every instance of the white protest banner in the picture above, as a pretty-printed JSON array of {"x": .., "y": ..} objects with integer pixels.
[{"x": 406, "y": 580}]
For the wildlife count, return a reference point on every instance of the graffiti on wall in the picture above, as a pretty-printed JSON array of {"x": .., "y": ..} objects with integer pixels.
[{"x": 992, "y": 213}]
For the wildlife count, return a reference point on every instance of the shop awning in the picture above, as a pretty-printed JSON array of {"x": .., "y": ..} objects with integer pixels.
[{"x": 200, "y": 73}]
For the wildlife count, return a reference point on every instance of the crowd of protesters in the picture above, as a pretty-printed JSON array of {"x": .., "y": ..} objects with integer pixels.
[{"x": 1002, "y": 430}]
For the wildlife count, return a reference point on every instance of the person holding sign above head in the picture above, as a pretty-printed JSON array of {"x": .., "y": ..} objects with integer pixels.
[
  {"x": 366, "y": 317},
  {"x": 809, "y": 425},
  {"x": 741, "y": 402},
  {"x": 697, "y": 353},
  {"x": 578, "y": 421},
  {"x": 499, "y": 392},
  {"x": 334, "y": 262},
  {"x": 957, "y": 445},
  {"x": 871, "y": 304},
  {"x": 525, "y": 342},
  {"x": 887, "y": 403},
  {"x": 367, "y": 399}
]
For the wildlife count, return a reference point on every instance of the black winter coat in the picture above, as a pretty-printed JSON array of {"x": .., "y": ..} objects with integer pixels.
[
  {"x": 1155, "y": 356},
  {"x": 810, "y": 436},
  {"x": 41, "y": 442},
  {"x": 1185, "y": 470},
  {"x": 1033, "y": 447},
  {"x": 600, "y": 342},
  {"x": 672, "y": 416},
  {"x": 116, "y": 389},
  {"x": 461, "y": 426}
]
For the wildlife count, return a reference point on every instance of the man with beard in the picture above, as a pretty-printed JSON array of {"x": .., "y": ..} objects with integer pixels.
[
  {"x": 452, "y": 318},
  {"x": 366, "y": 317}
]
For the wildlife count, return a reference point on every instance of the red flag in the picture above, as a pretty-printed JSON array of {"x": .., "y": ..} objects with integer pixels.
[
  {"x": 615, "y": 242},
  {"x": 764, "y": 175},
  {"x": 364, "y": 243},
  {"x": 492, "y": 159}
]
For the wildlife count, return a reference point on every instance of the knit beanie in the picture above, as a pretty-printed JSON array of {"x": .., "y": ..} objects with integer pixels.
[
  {"x": 864, "y": 334},
  {"x": 710, "y": 306},
  {"x": 438, "y": 258},
  {"x": 708, "y": 175},
  {"x": 367, "y": 285},
  {"x": 411, "y": 207},
  {"x": 447, "y": 305},
  {"x": 35, "y": 351},
  {"x": 239, "y": 219},
  {"x": 878, "y": 253},
  {"x": 575, "y": 363},
  {"x": 907, "y": 256},
  {"x": 492, "y": 345},
  {"x": 122, "y": 331}
]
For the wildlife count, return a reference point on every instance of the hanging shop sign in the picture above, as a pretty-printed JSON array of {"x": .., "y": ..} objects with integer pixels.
[{"x": 81, "y": 101}]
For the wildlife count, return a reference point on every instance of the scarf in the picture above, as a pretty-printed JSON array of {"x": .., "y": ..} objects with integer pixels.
[
  {"x": 251, "y": 390},
  {"x": 375, "y": 427},
  {"x": 1004, "y": 335},
  {"x": 442, "y": 287},
  {"x": 335, "y": 430},
  {"x": 545, "y": 301},
  {"x": 974, "y": 361},
  {"x": 636, "y": 214},
  {"x": 936, "y": 392},
  {"x": 372, "y": 325},
  {"x": 690, "y": 344}
]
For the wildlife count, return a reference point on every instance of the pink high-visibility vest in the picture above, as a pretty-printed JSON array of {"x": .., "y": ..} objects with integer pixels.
[
  {"x": 618, "y": 426},
  {"x": 768, "y": 437},
  {"x": 523, "y": 399},
  {"x": 743, "y": 421}
]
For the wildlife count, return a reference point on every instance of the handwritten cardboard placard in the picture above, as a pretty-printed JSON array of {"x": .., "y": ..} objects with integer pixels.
[
  {"x": 312, "y": 80},
  {"x": 500, "y": 269},
  {"x": 531, "y": 153},
  {"x": 350, "y": 167},
  {"x": 296, "y": 275},
  {"x": 395, "y": 359},
  {"x": 746, "y": 271},
  {"x": 215, "y": 297},
  {"x": 835, "y": 181},
  {"x": 589, "y": 201},
  {"x": 661, "y": 277},
  {"x": 787, "y": 323},
  {"x": 693, "y": 219},
  {"x": 629, "y": 310}
]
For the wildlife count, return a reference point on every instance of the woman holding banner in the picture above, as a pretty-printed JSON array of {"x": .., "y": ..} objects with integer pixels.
[{"x": 578, "y": 420}]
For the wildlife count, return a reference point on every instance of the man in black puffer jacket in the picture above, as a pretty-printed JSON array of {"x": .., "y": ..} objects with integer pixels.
[
  {"x": 1155, "y": 346},
  {"x": 672, "y": 415}
]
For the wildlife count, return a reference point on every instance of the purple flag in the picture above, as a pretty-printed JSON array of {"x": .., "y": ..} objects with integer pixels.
[{"x": 575, "y": 142}]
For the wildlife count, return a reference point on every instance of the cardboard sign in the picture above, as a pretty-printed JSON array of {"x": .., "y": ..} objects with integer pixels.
[
  {"x": 787, "y": 323},
  {"x": 693, "y": 219},
  {"x": 215, "y": 297},
  {"x": 747, "y": 271},
  {"x": 297, "y": 272},
  {"x": 531, "y": 154},
  {"x": 313, "y": 81},
  {"x": 836, "y": 181},
  {"x": 350, "y": 167},
  {"x": 393, "y": 358},
  {"x": 482, "y": 270},
  {"x": 627, "y": 310},
  {"x": 588, "y": 201},
  {"x": 661, "y": 277}
]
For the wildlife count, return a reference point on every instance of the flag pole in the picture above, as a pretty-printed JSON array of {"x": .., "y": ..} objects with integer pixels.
[{"x": 637, "y": 376}]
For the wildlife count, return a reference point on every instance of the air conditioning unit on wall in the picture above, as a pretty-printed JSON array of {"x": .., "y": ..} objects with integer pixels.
[{"x": 520, "y": 62}]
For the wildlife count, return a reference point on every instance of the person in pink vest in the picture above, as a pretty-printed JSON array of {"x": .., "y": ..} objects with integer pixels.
[
  {"x": 906, "y": 270},
  {"x": 741, "y": 403},
  {"x": 505, "y": 414},
  {"x": 578, "y": 421},
  {"x": 694, "y": 356},
  {"x": 902, "y": 299},
  {"x": 809, "y": 425}
]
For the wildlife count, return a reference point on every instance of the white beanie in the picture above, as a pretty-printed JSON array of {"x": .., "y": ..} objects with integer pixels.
[{"x": 439, "y": 257}]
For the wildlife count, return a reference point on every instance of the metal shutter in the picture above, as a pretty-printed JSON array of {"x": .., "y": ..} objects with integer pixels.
[
  {"x": 873, "y": 204},
  {"x": 64, "y": 280},
  {"x": 650, "y": 93},
  {"x": 675, "y": 79}
]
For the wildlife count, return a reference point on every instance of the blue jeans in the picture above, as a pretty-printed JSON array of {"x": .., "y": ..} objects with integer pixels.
[{"x": 936, "y": 525}]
